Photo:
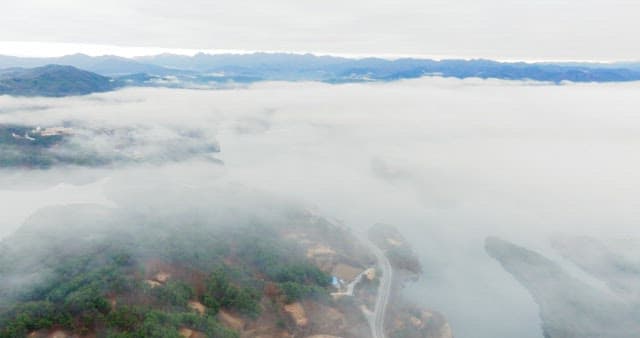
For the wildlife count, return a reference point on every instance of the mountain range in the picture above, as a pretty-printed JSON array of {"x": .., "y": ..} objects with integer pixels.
[{"x": 210, "y": 71}]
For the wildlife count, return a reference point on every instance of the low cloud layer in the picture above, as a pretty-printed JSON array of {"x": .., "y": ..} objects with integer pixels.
[{"x": 449, "y": 162}]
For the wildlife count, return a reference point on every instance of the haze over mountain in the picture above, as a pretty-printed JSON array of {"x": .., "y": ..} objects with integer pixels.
[
  {"x": 319, "y": 169},
  {"x": 448, "y": 161},
  {"x": 107, "y": 65}
]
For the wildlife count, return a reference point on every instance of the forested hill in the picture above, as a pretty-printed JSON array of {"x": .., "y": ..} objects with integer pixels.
[
  {"x": 87, "y": 271},
  {"x": 52, "y": 80}
]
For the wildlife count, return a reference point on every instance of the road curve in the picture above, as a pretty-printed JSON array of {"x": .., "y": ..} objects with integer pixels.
[{"x": 376, "y": 321}]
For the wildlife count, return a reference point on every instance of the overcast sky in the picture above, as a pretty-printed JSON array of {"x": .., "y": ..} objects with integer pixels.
[{"x": 498, "y": 29}]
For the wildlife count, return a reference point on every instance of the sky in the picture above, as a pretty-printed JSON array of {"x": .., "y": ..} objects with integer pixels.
[{"x": 597, "y": 30}]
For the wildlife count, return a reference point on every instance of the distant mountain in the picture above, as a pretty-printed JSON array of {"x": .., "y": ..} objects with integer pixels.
[
  {"x": 256, "y": 61},
  {"x": 107, "y": 65},
  {"x": 53, "y": 80},
  {"x": 213, "y": 71},
  {"x": 287, "y": 67}
]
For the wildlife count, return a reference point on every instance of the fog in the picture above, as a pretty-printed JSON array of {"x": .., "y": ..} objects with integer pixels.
[{"x": 449, "y": 162}]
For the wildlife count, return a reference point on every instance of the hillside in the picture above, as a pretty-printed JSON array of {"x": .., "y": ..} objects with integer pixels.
[
  {"x": 52, "y": 80},
  {"x": 42, "y": 147},
  {"x": 405, "y": 318},
  {"x": 108, "y": 273},
  {"x": 106, "y": 65}
]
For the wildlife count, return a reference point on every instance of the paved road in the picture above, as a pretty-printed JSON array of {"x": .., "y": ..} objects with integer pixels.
[{"x": 376, "y": 320}]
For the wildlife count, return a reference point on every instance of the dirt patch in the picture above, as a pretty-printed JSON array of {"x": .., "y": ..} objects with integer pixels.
[
  {"x": 297, "y": 313},
  {"x": 325, "y": 319},
  {"x": 394, "y": 242},
  {"x": 189, "y": 333},
  {"x": 162, "y": 272},
  {"x": 320, "y": 250},
  {"x": 197, "y": 306},
  {"x": 158, "y": 279},
  {"x": 152, "y": 283},
  {"x": 279, "y": 334},
  {"x": 370, "y": 273},
  {"x": 50, "y": 334},
  {"x": 186, "y": 333},
  {"x": 416, "y": 322},
  {"x": 162, "y": 277},
  {"x": 230, "y": 321},
  {"x": 346, "y": 272},
  {"x": 59, "y": 334}
]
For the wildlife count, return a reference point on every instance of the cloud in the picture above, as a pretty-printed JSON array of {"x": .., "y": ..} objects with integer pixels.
[
  {"x": 597, "y": 29},
  {"x": 448, "y": 161}
]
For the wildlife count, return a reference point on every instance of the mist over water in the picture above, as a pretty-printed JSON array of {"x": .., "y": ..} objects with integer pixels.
[{"x": 449, "y": 162}]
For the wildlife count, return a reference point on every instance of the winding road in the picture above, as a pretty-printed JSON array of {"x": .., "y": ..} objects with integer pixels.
[{"x": 376, "y": 319}]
